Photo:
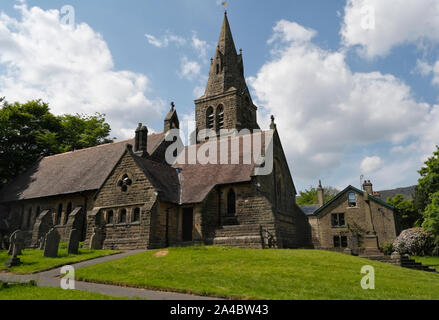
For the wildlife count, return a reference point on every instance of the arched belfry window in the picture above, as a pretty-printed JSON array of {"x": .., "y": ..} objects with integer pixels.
[
  {"x": 231, "y": 202},
  {"x": 220, "y": 117},
  {"x": 210, "y": 118}
]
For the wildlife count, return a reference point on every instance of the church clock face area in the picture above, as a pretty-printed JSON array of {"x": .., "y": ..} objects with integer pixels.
[{"x": 218, "y": 157}]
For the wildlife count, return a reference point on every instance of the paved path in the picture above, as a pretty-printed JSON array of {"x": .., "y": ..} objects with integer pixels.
[{"x": 51, "y": 279}]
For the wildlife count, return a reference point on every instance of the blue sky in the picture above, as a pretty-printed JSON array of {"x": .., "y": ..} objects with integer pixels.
[{"x": 348, "y": 101}]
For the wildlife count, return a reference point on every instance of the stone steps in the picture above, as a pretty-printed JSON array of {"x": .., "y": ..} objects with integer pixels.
[
  {"x": 239, "y": 236},
  {"x": 404, "y": 262}
]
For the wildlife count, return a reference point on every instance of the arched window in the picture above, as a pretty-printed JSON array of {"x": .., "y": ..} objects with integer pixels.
[
  {"x": 217, "y": 68},
  {"x": 220, "y": 117},
  {"x": 231, "y": 202},
  {"x": 123, "y": 216},
  {"x": 136, "y": 215},
  {"x": 29, "y": 218},
  {"x": 110, "y": 217},
  {"x": 58, "y": 215},
  {"x": 210, "y": 118},
  {"x": 68, "y": 212}
]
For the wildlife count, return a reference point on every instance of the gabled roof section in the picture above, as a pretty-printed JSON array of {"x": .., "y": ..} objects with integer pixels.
[
  {"x": 71, "y": 172},
  {"x": 358, "y": 191}
]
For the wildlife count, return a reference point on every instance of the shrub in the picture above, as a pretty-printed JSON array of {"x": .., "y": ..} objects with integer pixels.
[
  {"x": 387, "y": 248},
  {"x": 415, "y": 242}
]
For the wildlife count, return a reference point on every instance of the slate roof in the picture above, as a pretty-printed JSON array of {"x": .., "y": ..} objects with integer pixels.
[
  {"x": 71, "y": 172},
  {"x": 407, "y": 193},
  {"x": 309, "y": 210}
]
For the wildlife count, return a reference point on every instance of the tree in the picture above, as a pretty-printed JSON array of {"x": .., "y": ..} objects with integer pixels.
[
  {"x": 429, "y": 181},
  {"x": 29, "y": 131},
  {"x": 309, "y": 197},
  {"x": 431, "y": 215},
  {"x": 406, "y": 214}
]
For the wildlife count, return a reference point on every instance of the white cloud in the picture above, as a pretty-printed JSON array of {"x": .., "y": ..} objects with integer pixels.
[
  {"x": 71, "y": 67},
  {"x": 288, "y": 31},
  {"x": 397, "y": 22},
  {"x": 189, "y": 69},
  {"x": 324, "y": 110},
  {"x": 371, "y": 164},
  {"x": 165, "y": 40}
]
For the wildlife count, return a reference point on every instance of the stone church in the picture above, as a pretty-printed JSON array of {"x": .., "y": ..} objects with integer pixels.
[{"x": 125, "y": 195}]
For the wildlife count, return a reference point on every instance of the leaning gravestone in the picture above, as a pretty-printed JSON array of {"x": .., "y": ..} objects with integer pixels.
[
  {"x": 16, "y": 241},
  {"x": 14, "y": 261},
  {"x": 52, "y": 244},
  {"x": 73, "y": 245}
]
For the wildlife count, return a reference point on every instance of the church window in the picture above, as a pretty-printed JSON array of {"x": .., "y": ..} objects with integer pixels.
[
  {"x": 38, "y": 211},
  {"x": 29, "y": 217},
  {"x": 110, "y": 217},
  {"x": 58, "y": 215},
  {"x": 210, "y": 118},
  {"x": 124, "y": 183},
  {"x": 68, "y": 212},
  {"x": 352, "y": 199},
  {"x": 136, "y": 215},
  {"x": 217, "y": 68},
  {"x": 231, "y": 203},
  {"x": 220, "y": 117},
  {"x": 123, "y": 216}
]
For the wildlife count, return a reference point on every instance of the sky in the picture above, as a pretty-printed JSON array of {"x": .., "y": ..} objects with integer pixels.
[{"x": 353, "y": 84}]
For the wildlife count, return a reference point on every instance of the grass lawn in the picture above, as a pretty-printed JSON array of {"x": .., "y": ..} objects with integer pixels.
[
  {"x": 29, "y": 292},
  {"x": 428, "y": 261},
  {"x": 262, "y": 274},
  {"x": 33, "y": 260}
]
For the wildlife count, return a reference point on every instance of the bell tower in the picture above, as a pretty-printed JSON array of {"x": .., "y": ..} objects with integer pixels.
[{"x": 226, "y": 103}]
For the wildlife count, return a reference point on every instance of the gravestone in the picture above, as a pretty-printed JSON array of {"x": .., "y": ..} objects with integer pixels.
[
  {"x": 73, "y": 245},
  {"x": 96, "y": 240},
  {"x": 52, "y": 244},
  {"x": 16, "y": 241},
  {"x": 14, "y": 261}
]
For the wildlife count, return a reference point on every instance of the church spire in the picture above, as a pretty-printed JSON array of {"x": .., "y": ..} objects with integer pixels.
[{"x": 227, "y": 68}]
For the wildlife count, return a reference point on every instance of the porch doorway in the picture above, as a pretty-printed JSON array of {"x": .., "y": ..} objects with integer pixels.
[{"x": 188, "y": 224}]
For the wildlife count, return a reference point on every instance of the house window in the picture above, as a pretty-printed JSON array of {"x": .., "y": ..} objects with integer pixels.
[
  {"x": 210, "y": 118},
  {"x": 231, "y": 203},
  {"x": 352, "y": 199},
  {"x": 123, "y": 216},
  {"x": 110, "y": 217},
  {"x": 340, "y": 242},
  {"x": 338, "y": 220},
  {"x": 136, "y": 215}
]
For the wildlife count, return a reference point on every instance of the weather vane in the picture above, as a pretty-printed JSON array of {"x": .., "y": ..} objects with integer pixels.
[{"x": 225, "y": 4}]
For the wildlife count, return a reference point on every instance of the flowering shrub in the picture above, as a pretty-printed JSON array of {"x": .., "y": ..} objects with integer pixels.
[{"x": 415, "y": 242}]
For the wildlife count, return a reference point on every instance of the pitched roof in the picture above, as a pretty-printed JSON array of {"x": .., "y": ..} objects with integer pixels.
[
  {"x": 407, "y": 193},
  {"x": 198, "y": 180},
  {"x": 71, "y": 172},
  {"x": 309, "y": 210},
  {"x": 351, "y": 188}
]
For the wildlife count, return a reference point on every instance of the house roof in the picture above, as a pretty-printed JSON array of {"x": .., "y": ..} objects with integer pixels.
[
  {"x": 339, "y": 195},
  {"x": 309, "y": 210},
  {"x": 71, "y": 172},
  {"x": 407, "y": 193}
]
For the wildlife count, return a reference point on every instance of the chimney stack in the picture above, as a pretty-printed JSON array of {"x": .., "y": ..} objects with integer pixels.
[
  {"x": 368, "y": 187},
  {"x": 141, "y": 141},
  {"x": 321, "y": 195}
]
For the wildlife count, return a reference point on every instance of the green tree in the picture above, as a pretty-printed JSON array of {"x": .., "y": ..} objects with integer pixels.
[
  {"x": 29, "y": 131},
  {"x": 406, "y": 214},
  {"x": 429, "y": 181},
  {"x": 309, "y": 197},
  {"x": 431, "y": 215}
]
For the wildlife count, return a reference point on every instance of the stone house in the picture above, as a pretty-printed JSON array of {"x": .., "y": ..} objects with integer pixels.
[
  {"x": 351, "y": 219},
  {"x": 125, "y": 195}
]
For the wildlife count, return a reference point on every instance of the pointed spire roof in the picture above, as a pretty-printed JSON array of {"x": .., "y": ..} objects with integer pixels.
[
  {"x": 225, "y": 43},
  {"x": 227, "y": 68}
]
